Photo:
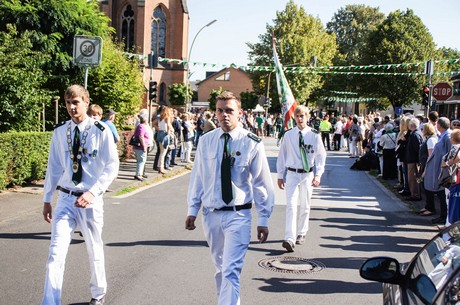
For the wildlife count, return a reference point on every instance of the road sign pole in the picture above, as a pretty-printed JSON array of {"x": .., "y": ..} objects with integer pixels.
[{"x": 86, "y": 77}]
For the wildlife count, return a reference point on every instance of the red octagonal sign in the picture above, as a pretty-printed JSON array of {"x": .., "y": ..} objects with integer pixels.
[{"x": 442, "y": 91}]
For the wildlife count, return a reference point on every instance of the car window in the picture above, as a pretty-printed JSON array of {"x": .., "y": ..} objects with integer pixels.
[
  {"x": 434, "y": 264},
  {"x": 450, "y": 294}
]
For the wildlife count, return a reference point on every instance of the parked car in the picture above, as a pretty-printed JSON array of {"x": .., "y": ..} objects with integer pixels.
[{"x": 431, "y": 277}]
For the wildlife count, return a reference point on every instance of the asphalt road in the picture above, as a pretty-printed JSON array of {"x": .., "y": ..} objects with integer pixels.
[{"x": 152, "y": 259}]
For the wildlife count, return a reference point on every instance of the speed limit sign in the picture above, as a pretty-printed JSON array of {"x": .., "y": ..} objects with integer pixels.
[{"x": 87, "y": 50}]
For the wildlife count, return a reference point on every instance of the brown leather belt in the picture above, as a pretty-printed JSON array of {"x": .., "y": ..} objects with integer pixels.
[
  {"x": 71, "y": 193},
  {"x": 245, "y": 206},
  {"x": 299, "y": 170}
]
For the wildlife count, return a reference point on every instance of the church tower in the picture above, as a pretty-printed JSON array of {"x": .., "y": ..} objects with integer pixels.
[{"x": 147, "y": 26}]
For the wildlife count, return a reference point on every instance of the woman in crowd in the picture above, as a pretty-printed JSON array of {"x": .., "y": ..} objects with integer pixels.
[
  {"x": 188, "y": 131},
  {"x": 426, "y": 149},
  {"x": 401, "y": 141},
  {"x": 355, "y": 132},
  {"x": 141, "y": 151},
  {"x": 164, "y": 130},
  {"x": 388, "y": 142}
]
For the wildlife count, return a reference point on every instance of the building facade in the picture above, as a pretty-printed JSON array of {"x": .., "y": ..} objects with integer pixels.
[
  {"x": 154, "y": 26},
  {"x": 230, "y": 79}
]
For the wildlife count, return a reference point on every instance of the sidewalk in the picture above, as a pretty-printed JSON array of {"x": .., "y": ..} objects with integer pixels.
[{"x": 124, "y": 180}]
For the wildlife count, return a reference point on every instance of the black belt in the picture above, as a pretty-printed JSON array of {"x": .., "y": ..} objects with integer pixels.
[
  {"x": 299, "y": 170},
  {"x": 72, "y": 193},
  {"x": 245, "y": 206}
]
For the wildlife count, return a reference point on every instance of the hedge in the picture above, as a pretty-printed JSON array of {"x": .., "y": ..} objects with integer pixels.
[{"x": 24, "y": 156}]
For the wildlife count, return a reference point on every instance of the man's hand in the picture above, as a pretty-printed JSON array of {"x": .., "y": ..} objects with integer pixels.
[
  {"x": 47, "y": 212},
  {"x": 281, "y": 184},
  {"x": 84, "y": 200},
  {"x": 190, "y": 223},
  {"x": 316, "y": 181},
  {"x": 262, "y": 234}
]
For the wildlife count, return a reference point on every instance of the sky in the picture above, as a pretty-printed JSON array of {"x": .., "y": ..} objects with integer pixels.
[{"x": 239, "y": 22}]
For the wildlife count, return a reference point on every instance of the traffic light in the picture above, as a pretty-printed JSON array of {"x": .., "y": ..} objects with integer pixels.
[
  {"x": 152, "y": 90},
  {"x": 426, "y": 96},
  {"x": 268, "y": 102}
]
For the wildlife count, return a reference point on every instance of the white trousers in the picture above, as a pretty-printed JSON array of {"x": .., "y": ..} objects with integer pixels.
[
  {"x": 298, "y": 190},
  {"x": 90, "y": 220},
  {"x": 228, "y": 234}
]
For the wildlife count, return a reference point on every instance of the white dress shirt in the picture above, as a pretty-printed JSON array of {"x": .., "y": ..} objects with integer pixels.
[
  {"x": 289, "y": 154},
  {"x": 100, "y": 160},
  {"x": 251, "y": 180}
]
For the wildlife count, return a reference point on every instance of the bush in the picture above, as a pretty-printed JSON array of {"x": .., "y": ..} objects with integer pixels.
[{"x": 23, "y": 157}]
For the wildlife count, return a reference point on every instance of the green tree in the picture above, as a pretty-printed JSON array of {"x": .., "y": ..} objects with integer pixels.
[
  {"x": 108, "y": 83},
  {"x": 177, "y": 93},
  {"x": 401, "y": 38},
  {"x": 213, "y": 97},
  {"x": 21, "y": 79},
  {"x": 52, "y": 26},
  {"x": 249, "y": 100},
  {"x": 352, "y": 26},
  {"x": 299, "y": 37}
]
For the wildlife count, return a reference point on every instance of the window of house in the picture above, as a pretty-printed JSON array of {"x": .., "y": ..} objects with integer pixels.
[
  {"x": 159, "y": 32},
  {"x": 224, "y": 77},
  {"x": 127, "y": 28}
]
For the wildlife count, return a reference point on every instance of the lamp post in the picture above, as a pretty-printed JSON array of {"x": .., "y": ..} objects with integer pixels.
[{"x": 187, "y": 99}]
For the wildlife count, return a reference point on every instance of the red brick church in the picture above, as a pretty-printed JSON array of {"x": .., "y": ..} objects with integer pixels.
[{"x": 158, "y": 26}]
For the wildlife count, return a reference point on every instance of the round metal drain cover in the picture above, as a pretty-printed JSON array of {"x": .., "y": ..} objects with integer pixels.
[{"x": 289, "y": 264}]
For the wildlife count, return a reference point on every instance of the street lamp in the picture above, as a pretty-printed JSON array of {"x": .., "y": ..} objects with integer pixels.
[{"x": 187, "y": 99}]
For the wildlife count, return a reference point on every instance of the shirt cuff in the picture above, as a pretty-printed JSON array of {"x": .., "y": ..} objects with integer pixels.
[{"x": 263, "y": 221}]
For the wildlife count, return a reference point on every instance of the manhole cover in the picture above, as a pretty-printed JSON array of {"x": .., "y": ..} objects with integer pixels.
[{"x": 289, "y": 264}]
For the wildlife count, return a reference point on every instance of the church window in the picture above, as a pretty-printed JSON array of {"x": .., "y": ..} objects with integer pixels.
[
  {"x": 159, "y": 32},
  {"x": 127, "y": 28}
]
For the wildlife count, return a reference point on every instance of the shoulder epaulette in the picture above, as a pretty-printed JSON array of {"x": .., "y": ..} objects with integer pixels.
[
  {"x": 59, "y": 124},
  {"x": 99, "y": 125},
  {"x": 254, "y": 137},
  {"x": 314, "y": 130}
]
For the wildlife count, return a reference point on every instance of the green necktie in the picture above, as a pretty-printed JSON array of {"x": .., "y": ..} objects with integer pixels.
[
  {"x": 303, "y": 153},
  {"x": 225, "y": 172},
  {"x": 76, "y": 165}
]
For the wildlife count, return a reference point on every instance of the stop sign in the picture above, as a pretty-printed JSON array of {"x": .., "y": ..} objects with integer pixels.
[{"x": 442, "y": 91}]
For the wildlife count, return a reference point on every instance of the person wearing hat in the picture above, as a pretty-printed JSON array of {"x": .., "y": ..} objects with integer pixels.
[{"x": 108, "y": 120}]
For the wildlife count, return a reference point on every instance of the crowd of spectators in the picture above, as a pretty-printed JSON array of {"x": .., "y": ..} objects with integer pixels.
[{"x": 410, "y": 149}]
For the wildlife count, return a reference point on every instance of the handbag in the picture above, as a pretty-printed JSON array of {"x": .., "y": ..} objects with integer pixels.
[
  {"x": 454, "y": 203},
  {"x": 134, "y": 141},
  {"x": 448, "y": 175}
]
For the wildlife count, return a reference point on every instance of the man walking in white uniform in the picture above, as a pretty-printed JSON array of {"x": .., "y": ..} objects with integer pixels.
[
  {"x": 83, "y": 161},
  {"x": 300, "y": 151},
  {"x": 230, "y": 174}
]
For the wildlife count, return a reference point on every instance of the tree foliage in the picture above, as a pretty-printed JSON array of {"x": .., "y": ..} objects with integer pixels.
[
  {"x": 213, "y": 97},
  {"x": 21, "y": 78},
  {"x": 401, "y": 38},
  {"x": 177, "y": 93},
  {"x": 51, "y": 26},
  {"x": 249, "y": 100},
  {"x": 299, "y": 37}
]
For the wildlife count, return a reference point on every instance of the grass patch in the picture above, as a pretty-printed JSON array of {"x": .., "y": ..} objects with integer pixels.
[{"x": 171, "y": 174}]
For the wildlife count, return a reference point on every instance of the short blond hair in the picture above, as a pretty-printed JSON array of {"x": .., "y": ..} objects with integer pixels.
[
  {"x": 301, "y": 109},
  {"x": 77, "y": 90},
  {"x": 227, "y": 95}
]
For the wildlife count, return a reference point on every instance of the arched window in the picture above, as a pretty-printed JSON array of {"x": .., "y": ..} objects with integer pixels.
[
  {"x": 159, "y": 32},
  {"x": 127, "y": 27}
]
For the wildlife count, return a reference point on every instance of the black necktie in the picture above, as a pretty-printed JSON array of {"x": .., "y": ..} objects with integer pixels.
[
  {"x": 225, "y": 175},
  {"x": 76, "y": 165}
]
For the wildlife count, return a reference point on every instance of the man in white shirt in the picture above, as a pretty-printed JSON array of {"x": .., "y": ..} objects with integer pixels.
[
  {"x": 300, "y": 151},
  {"x": 338, "y": 134},
  {"x": 229, "y": 175},
  {"x": 82, "y": 162}
]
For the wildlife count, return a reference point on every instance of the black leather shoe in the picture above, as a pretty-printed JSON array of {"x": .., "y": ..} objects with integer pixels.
[
  {"x": 300, "y": 240},
  {"x": 288, "y": 245},
  {"x": 438, "y": 220},
  {"x": 97, "y": 302}
]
